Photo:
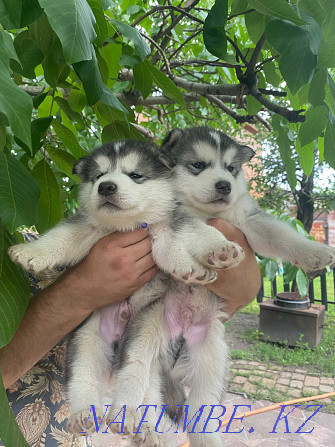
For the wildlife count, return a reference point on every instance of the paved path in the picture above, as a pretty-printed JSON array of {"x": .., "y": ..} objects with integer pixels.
[
  {"x": 279, "y": 383},
  {"x": 261, "y": 430}
]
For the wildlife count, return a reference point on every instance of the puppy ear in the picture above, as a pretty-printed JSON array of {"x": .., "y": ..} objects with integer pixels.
[
  {"x": 79, "y": 166},
  {"x": 246, "y": 153},
  {"x": 166, "y": 153}
]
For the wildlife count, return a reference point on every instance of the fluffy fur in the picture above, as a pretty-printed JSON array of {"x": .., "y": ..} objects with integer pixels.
[
  {"x": 154, "y": 366},
  {"x": 162, "y": 350}
]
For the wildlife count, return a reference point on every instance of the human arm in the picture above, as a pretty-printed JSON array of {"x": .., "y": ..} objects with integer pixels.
[
  {"x": 116, "y": 266},
  {"x": 239, "y": 285}
]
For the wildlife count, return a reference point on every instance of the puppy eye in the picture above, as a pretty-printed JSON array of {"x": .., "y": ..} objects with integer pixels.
[
  {"x": 100, "y": 175},
  {"x": 230, "y": 168},
  {"x": 135, "y": 176},
  {"x": 199, "y": 165}
]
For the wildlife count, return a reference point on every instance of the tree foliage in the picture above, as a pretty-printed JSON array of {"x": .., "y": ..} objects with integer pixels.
[{"x": 77, "y": 73}]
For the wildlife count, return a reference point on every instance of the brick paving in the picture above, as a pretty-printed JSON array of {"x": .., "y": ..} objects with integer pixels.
[{"x": 279, "y": 383}]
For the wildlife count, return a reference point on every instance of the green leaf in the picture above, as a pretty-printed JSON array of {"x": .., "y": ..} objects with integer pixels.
[
  {"x": 316, "y": 8},
  {"x": 28, "y": 53},
  {"x": 302, "y": 282},
  {"x": 284, "y": 145},
  {"x": 14, "y": 298},
  {"x": 142, "y": 48},
  {"x": 95, "y": 89},
  {"x": 166, "y": 85},
  {"x": 19, "y": 194},
  {"x": 55, "y": 68},
  {"x": 256, "y": 24},
  {"x": 327, "y": 54},
  {"x": 143, "y": 79},
  {"x": 73, "y": 21},
  {"x": 9, "y": 430},
  {"x": 63, "y": 160},
  {"x": 316, "y": 93},
  {"x": 111, "y": 53},
  {"x": 42, "y": 33},
  {"x": 14, "y": 9},
  {"x": 271, "y": 73},
  {"x": 328, "y": 25},
  {"x": 68, "y": 138},
  {"x": 238, "y": 6},
  {"x": 253, "y": 106},
  {"x": 290, "y": 272},
  {"x": 7, "y": 46},
  {"x": 118, "y": 130},
  {"x": 16, "y": 105},
  {"x": 277, "y": 8},
  {"x": 2, "y": 138},
  {"x": 77, "y": 99},
  {"x": 69, "y": 112},
  {"x": 100, "y": 27},
  {"x": 37, "y": 100},
  {"x": 50, "y": 210},
  {"x": 31, "y": 11},
  {"x": 297, "y": 62},
  {"x": 306, "y": 156},
  {"x": 316, "y": 121},
  {"x": 4, "y": 17},
  {"x": 215, "y": 39},
  {"x": 38, "y": 130},
  {"x": 329, "y": 146},
  {"x": 271, "y": 270}
]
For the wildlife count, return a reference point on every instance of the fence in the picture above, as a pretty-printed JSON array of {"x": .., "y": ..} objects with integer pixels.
[{"x": 326, "y": 293}]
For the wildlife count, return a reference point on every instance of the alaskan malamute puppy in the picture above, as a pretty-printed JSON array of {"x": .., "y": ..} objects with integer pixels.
[
  {"x": 124, "y": 184},
  {"x": 179, "y": 341}
]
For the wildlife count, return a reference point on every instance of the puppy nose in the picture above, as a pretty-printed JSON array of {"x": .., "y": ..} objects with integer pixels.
[
  {"x": 223, "y": 187},
  {"x": 107, "y": 188}
]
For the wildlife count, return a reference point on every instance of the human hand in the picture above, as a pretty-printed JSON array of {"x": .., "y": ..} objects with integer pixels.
[
  {"x": 116, "y": 267},
  {"x": 238, "y": 285}
]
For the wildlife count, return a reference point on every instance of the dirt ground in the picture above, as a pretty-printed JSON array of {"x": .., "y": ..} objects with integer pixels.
[{"x": 236, "y": 327}]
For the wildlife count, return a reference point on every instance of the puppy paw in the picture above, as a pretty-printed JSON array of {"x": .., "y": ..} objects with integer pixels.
[
  {"x": 31, "y": 258},
  {"x": 83, "y": 423},
  {"x": 149, "y": 437},
  {"x": 316, "y": 258},
  {"x": 224, "y": 257},
  {"x": 128, "y": 426},
  {"x": 195, "y": 274}
]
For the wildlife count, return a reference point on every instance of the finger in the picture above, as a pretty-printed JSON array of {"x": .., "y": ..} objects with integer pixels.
[
  {"x": 145, "y": 263},
  {"x": 148, "y": 275},
  {"x": 139, "y": 249},
  {"x": 127, "y": 238},
  {"x": 232, "y": 233}
]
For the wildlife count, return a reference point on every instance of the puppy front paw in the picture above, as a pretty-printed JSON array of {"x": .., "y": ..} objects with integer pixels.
[
  {"x": 31, "y": 257},
  {"x": 316, "y": 258},
  {"x": 148, "y": 437},
  {"x": 226, "y": 256}
]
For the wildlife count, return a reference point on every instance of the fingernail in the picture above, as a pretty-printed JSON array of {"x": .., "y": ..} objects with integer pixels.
[{"x": 144, "y": 225}]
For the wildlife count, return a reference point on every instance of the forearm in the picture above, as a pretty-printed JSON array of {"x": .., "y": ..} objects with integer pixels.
[{"x": 50, "y": 316}]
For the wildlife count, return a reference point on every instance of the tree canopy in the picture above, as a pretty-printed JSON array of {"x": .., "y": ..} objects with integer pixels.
[{"x": 79, "y": 73}]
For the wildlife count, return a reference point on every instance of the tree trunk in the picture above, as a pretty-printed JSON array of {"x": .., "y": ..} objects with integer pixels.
[{"x": 305, "y": 202}]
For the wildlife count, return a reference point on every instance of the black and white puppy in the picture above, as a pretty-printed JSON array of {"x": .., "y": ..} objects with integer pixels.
[
  {"x": 179, "y": 341},
  {"x": 124, "y": 184}
]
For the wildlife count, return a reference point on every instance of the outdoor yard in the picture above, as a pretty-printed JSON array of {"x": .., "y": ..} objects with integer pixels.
[{"x": 277, "y": 372}]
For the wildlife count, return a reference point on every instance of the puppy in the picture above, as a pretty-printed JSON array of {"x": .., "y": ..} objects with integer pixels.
[
  {"x": 179, "y": 341},
  {"x": 124, "y": 184}
]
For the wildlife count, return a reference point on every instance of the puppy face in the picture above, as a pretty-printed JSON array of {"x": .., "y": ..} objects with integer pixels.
[
  {"x": 208, "y": 167},
  {"x": 124, "y": 182}
]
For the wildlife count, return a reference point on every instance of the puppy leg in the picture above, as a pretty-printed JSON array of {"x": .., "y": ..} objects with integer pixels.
[
  {"x": 270, "y": 237},
  {"x": 66, "y": 244},
  {"x": 138, "y": 351},
  {"x": 88, "y": 356},
  {"x": 207, "y": 377},
  {"x": 208, "y": 245},
  {"x": 173, "y": 257}
]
